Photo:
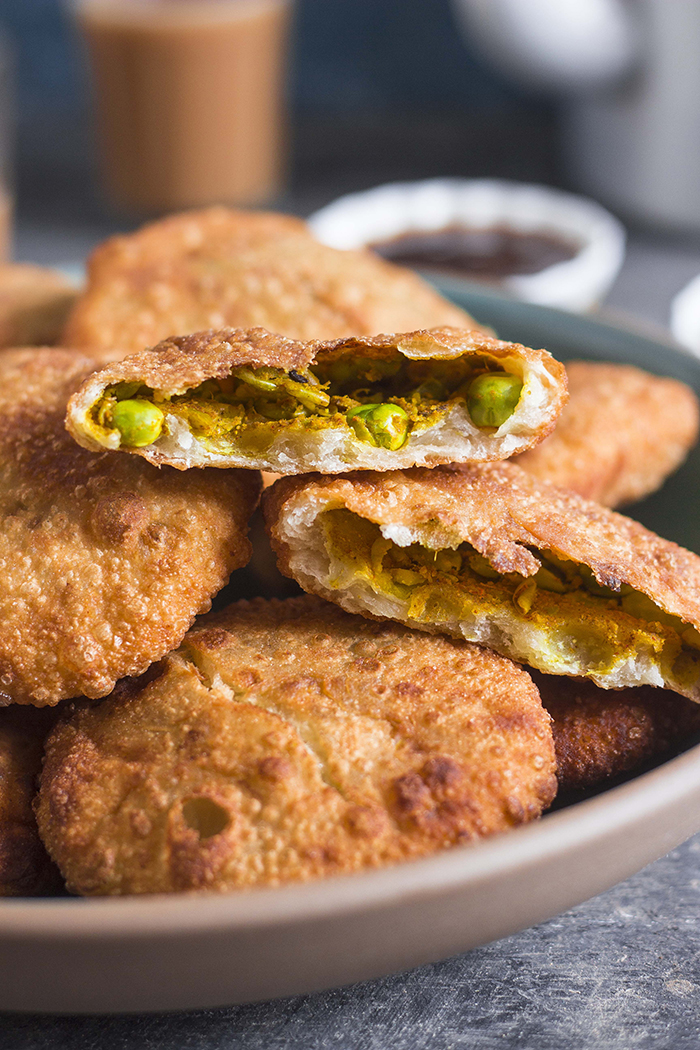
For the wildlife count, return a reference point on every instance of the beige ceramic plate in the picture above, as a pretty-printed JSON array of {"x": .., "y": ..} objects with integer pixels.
[{"x": 156, "y": 953}]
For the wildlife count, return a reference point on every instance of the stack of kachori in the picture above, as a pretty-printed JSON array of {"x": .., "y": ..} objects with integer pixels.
[{"x": 389, "y": 712}]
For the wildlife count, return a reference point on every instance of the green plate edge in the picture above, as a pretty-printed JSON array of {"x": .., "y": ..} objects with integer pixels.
[{"x": 674, "y": 510}]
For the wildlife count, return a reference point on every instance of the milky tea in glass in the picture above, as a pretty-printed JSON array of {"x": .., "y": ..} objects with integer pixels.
[{"x": 189, "y": 97}]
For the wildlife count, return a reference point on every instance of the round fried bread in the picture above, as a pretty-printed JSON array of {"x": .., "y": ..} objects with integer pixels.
[
  {"x": 105, "y": 560},
  {"x": 220, "y": 268},
  {"x": 621, "y": 434},
  {"x": 287, "y": 741},
  {"x": 600, "y": 734},
  {"x": 25, "y": 867}
]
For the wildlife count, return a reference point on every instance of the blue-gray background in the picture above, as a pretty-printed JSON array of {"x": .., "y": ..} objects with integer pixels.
[{"x": 378, "y": 89}]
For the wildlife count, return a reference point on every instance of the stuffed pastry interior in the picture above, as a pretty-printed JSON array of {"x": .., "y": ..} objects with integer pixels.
[
  {"x": 560, "y": 620},
  {"x": 382, "y": 401}
]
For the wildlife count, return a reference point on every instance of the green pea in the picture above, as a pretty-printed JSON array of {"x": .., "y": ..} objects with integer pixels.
[
  {"x": 384, "y": 426},
  {"x": 138, "y": 422},
  {"x": 122, "y": 391},
  {"x": 491, "y": 399}
]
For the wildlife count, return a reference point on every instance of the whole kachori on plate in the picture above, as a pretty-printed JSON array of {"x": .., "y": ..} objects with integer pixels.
[
  {"x": 219, "y": 268},
  {"x": 25, "y": 867},
  {"x": 622, "y": 432},
  {"x": 286, "y": 741}
]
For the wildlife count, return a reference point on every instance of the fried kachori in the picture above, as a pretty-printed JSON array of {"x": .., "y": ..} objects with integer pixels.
[
  {"x": 34, "y": 304},
  {"x": 488, "y": 553},
  {"x": 105, "y": 560},
  {"x": 249, "y": 398},
  {"x": 25, "y": 867},
  {"x": 286, "y": 741},
  {"x": 601, "y": 734},
  {"x": 220, "y": 268},
  {"x": 622, "y": 432}
]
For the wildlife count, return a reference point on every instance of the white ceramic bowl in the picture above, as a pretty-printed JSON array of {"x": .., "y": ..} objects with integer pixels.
[{"x": 359, "y": 219}]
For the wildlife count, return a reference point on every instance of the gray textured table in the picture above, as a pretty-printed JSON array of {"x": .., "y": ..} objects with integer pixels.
[{"x": 621, "y": 972}]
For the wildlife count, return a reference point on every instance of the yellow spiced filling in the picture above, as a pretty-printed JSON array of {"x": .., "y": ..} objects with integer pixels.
[
  {"x": 581, "y": 619},
  {"x": 381, "y": 400}
]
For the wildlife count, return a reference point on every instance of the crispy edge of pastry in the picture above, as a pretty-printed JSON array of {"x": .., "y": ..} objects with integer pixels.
[
  {"x": 501, "y": 511},
  {"x": 78, "y": 527},
  {"x": 386, "y": 745},
  {"x": 180, "y": 364},
  {"x": 622, "y": 432}
]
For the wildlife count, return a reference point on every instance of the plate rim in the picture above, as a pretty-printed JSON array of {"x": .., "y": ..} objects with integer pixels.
[{"x": 553, "y": 835}]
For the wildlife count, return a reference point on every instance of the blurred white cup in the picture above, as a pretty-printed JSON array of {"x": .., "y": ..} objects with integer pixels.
[{"x": 628, "y": 73}]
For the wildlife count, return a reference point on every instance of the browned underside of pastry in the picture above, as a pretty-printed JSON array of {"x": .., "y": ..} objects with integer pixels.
[
  {"x": 219, "y": 267},
  {"x": 600, "y": 734},
  {"x": 25, "y": 867},
  {"x": 622, "y": 432},
  {"x": 287, "y": 741}
]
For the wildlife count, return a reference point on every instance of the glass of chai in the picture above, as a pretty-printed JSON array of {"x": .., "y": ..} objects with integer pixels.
[{"x": 189, "y": 99}]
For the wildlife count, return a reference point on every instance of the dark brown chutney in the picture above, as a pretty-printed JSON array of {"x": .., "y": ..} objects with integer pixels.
[{"x": 485, "y": 255}]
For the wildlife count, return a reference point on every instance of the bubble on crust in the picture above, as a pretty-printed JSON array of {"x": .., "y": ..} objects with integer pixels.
[{"x": 205, "y": 816}]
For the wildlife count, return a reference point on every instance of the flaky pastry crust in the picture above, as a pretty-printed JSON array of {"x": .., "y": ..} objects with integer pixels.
[
  {"x": 287, "y": 741},
  {"x": 503, "y": 513},
  {"x": 181, "y": 364},
  {"x": 105, "y": 561},
  {"x": 219, "y": 267},
  {"x": 622, "y": 432}
]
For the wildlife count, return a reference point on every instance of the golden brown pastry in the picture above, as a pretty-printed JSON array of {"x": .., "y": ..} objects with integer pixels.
[
  {"x": 220, "y": 268},
  {"x": 105, "y": 561},
  {"x": 600, "y": 734},
  {"x": 286, "y": 741},
  {"x": 489, "y": 553},
  {"x": 621, "y": 434},
  {"x": 25, "y": 868},
  {"x": 254, "y": 399},
  {"x": 34, "y": 304}
]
